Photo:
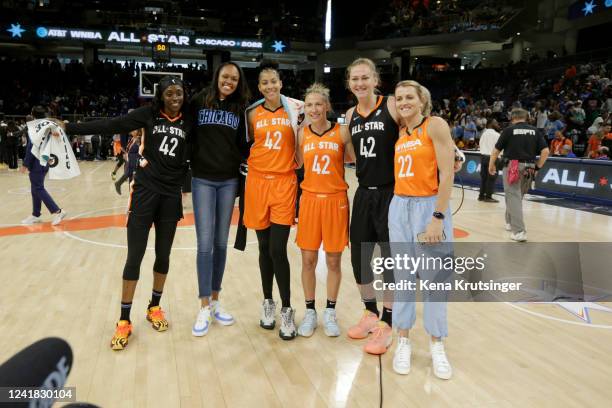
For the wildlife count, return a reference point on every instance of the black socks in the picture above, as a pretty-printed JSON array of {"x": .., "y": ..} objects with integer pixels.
[
  {"x": 370, "y": 304},
  {"x": 387, "y": 316},
  {"x": 125, "y": 311},
  {"x": 155, "y": 297}
]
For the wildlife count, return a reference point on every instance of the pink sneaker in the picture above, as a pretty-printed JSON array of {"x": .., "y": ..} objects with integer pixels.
[
  {"x": 382, "y": 337},
  {"x": 364, "y": 327}
]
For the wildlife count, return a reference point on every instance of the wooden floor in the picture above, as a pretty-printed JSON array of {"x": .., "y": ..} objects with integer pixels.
[{"x": 66, "y": 282}]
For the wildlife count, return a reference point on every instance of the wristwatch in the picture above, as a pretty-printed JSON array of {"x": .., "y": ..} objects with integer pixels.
[{"x": 438, "y": 215}]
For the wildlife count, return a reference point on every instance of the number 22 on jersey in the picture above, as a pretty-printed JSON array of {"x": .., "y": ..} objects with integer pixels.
[{"x": 405, "y": 163}]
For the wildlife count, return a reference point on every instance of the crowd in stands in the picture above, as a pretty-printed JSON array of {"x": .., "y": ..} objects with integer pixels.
[
  {"x": 425, "y": 17},
  {"x": 572, "y": 109},
  {"x": 106, "y": 88},
  {"x": 570, "y": 105},
  {"x": 72, "y": 91}
]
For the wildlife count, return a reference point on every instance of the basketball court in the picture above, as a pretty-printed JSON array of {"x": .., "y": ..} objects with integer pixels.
[
  {"x": 482, "y": 67},
  {"x": 65, "y": 281}
]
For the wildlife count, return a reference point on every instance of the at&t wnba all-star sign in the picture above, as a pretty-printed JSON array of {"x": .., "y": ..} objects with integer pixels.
[{"x": 17, "y": 32}]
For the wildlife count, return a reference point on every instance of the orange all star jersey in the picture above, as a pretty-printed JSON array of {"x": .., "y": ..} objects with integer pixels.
[
  {"x": 273, "y": 149},
  {"x": 416, "y": 168},
  {"x": 323, "y": 161}
]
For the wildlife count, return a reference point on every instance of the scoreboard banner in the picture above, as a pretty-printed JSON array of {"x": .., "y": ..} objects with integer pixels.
[
  {"x": 583, "y": 179},
  {"x": 16, "y": 32}
]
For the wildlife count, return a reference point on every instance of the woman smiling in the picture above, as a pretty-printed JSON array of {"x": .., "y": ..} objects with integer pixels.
[{"x": 217, "y": 116}]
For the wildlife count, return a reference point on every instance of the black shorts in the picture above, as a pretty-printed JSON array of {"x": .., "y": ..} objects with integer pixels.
[
  {"x": 370, "y": 215},
  {"x": 147, "y": 206}
]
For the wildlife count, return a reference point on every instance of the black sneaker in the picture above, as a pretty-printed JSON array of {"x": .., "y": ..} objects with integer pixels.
[{"x": 490, "y": 200}]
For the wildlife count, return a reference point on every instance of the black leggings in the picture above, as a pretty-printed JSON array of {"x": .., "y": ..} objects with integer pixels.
[
  {"x": 370, "y": 225},
  {"x": 137, "y": 236},
  {"x": 273, "y": 261},
  {"x": 120, "y": 162}
]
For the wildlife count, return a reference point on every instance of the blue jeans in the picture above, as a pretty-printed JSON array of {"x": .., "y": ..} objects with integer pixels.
[
  {"x": 40, "y": 194},
  {"x": 213, "y": 204},
  {"x": 408, "y": 216}
]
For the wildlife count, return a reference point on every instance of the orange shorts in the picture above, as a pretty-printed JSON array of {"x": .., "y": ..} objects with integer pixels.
[
  {"x": 269, "y": 198},
  {"x": 323, "y": 217}
]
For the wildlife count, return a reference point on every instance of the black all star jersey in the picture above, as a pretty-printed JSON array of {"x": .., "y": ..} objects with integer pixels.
[
  {"x": 165, "y": 146},
  {"x": 374, "y": 138}
]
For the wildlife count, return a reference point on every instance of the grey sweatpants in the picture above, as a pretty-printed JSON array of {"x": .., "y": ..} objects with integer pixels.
[{"x": 514, "y": 199}]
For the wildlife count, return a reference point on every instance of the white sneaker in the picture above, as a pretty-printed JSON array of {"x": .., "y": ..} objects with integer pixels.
[
  {"x": 401, "y": 358},
  {"x": 309, "y": 323},
  {"x": 268, "y": 312},
  {"x": 31, "y": 220},
  {"x": 330, "y": 323},
  {"x": 287, "y": 330},
  {"x": 202, "y": 323},
  {"x": 508, "y": 227},
  {"x": 441, "y": 367},
  {"x": 58, "y": 217},
  {"x": 519, "y": 236},
  {"x": 220, "y": 314}
]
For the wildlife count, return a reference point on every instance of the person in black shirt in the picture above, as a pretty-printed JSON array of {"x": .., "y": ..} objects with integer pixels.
[
  {"x": 156, "y": 194},
  {"x": 13, "y": 135},
  {"x": 373, "y": 125},
  {"x": 374, "y": 128},
  {"x": 218, "y": 147},
  {"x": 521, "y": 144}
]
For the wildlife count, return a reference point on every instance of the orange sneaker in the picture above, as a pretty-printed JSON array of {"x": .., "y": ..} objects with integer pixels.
[
  {"x": 381, "y": 339},
  {"x": 122, "y": 332},
  {"x": 364, "y": 327},
  {"x": 155, "y": 315}
]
